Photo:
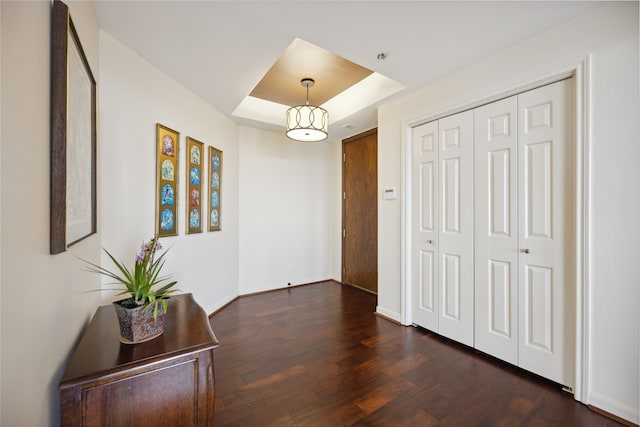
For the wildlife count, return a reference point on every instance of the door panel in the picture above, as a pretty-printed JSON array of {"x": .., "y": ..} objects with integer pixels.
[
  {"x": 537, "y": 190},
  {"x": 455, "y": 237},
  {"x": 427, "y": 196},
  {"x": 537, "y": 315},
  {"x": 546, "y": 238},
  {"x": 360, "y": 211},
  {"x": 496, "y": 240},
  {"x": 427, "y": 281},
  {"x": 451, "y": 286},
  {"x": 451, "y": 196},
  {"x": 500, "y": 198},
  {"x": 424, "y": 234},
  {"x": 500, "y": 310}
]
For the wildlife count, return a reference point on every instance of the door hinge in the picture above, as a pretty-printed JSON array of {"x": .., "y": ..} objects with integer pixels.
[
  {"x": 344, "y": 233},
  {"x": 344, "y": 157},
  {"x": 344, "y": 195},
  {"x": 344, "y": 271}
]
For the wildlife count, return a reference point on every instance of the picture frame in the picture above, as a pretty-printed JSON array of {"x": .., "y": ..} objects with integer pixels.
[
  {"x": 194, "y": 177},
  {"x": 214, "y": 217},
  {"x": 167, "y": 185},
  {"x": 73, "y": 136}
]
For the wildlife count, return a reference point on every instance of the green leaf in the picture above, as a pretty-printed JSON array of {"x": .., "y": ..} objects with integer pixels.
[{"x": 139, "y": 282}]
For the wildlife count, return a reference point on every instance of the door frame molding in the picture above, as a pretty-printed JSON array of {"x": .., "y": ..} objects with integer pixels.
[{"x": 581, "y": 72}]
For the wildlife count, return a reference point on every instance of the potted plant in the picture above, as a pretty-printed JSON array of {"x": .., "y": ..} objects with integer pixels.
[{"x": 141, "y": 315}]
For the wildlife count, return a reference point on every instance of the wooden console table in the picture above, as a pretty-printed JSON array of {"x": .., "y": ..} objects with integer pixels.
[{"x": 167, "y": 381}]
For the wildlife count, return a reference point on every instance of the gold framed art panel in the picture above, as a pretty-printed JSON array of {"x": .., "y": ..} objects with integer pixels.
[
  {"x": 214, "y": 218},
  {"x": 167, "y": 173},
  {"x": 194, "y": 176}
]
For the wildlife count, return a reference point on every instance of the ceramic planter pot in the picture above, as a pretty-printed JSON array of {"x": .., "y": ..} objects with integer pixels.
[{"x": 137, "y": 324}]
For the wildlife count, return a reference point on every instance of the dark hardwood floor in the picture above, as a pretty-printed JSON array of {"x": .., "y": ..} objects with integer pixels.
[{"x": 317, "y": 355}]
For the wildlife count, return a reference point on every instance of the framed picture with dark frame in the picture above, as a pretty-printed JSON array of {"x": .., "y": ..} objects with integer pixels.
[
  {"x": 167, "y": 151},
  {"x": 194, "y": 177},
  {"x": 73, "y": 136},
  {"x": 215, "y": 189}
]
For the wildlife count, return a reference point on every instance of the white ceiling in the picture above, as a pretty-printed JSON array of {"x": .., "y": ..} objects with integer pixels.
[{"x": 221, "y": 49}]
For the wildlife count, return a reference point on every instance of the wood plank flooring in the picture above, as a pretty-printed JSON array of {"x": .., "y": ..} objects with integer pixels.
[{"x": 317, "y": 355}]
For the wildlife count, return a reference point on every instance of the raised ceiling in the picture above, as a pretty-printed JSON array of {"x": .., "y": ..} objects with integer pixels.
[
  {"x": 332, "y": 75},
  {"x": 221, "y": 50},
  {"x": 340, "y": 86}
]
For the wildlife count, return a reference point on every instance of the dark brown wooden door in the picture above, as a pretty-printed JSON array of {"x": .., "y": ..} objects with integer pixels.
[{"x": 360, "y": 211}]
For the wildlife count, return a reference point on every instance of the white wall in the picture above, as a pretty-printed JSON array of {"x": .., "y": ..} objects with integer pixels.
[
  {"x": 134, "y": 96},
  {"x": 43, "y": 306},
  {"x": 610, "y": 33},
  {"x": 336, "y": 251},
  {"x": 0, "y": 215},
  {"x": 287, "y": 210}
]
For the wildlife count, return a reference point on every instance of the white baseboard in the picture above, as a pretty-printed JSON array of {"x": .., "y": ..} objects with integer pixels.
[
  {"x": 388, "y": 313},
  {"x": 615, "y": 407},
  {"x": 217, "y": 305}
]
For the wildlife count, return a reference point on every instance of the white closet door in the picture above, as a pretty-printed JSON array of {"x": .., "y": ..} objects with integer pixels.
[
  {"x": 546, "y": 247},
  {"x": 424, "y": 219},
  {"x": 496, "y": 229},
  {"x": 455, "y": 237}
]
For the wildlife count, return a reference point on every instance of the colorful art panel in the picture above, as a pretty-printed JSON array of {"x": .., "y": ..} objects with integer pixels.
[
  {"x": 194, "y": 185},
  {"x": 215, "y": 189},
  {"x": 167, "y": 149}
]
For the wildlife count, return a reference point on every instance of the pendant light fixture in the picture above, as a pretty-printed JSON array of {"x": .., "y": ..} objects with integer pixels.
[{"x": 307, "y": 123}]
